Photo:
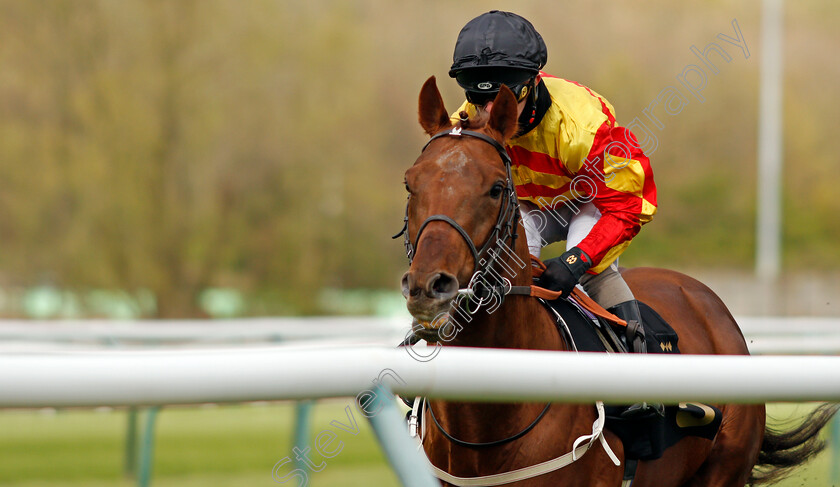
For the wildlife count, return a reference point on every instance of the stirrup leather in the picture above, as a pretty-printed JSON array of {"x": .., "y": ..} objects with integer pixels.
[{"x": 635, "y": 331}]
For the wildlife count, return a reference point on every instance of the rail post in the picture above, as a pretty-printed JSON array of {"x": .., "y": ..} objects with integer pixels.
[
  {"x": 835, "y": 451},
  {"x": 130, "y": 461},
  {"x": 147, "y": 447},
  {"x": 303, "y": 415},
  {"x": 391, "y": 430}
]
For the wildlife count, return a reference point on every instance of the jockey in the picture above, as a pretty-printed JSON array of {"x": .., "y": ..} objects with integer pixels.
[{"x": 579, "y": 176}]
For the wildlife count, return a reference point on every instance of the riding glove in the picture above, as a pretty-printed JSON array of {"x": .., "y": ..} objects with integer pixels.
[{"x": 563, "y": 273}]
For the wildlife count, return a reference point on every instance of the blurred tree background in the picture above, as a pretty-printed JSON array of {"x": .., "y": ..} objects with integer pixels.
[{"x": 159, "y": 149}]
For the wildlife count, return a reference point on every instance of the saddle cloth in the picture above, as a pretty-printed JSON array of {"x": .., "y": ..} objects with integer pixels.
[
  {"x": 644, "y": 438},
  {"x": 659, "y": 335}
]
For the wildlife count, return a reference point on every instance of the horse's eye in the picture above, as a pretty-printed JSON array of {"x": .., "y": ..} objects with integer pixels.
[
  {"x": 496, "y": 190},
  {"x": 406, "y": 187}
]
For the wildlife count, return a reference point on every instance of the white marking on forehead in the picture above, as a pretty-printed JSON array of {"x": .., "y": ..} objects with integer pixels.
[
  {"x": 453, "y": 160},
  {"x": 453, "y": 163}
]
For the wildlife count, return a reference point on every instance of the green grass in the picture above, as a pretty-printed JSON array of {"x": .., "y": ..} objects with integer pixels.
[
  {"x": 207, "y": 447},
  {"x": 219, "y": 446}
]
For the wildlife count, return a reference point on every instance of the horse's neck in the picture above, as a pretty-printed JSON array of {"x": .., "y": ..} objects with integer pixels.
[{"x": 521, "y": 321}]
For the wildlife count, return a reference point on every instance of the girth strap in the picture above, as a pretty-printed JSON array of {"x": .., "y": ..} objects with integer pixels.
[{"x": 629, "y": 472}]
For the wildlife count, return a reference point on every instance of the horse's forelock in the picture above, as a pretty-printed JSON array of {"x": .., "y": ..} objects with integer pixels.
[{"x": 470, "y": 123}]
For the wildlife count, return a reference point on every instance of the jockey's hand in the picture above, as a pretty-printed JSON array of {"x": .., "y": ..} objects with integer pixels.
[{"x": 563, "y": 273}]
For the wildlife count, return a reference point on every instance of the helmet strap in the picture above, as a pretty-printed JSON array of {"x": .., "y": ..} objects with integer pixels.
[
  {"x": 533, "y": 96},
  {"x": 528, "y": 121}
]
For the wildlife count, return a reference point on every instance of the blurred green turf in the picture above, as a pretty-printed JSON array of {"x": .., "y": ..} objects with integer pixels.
[
  {"x": 209, "y": 446},
  {"x": 218, "y": 446}
]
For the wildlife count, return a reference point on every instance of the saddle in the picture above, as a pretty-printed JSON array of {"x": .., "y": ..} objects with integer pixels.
[
  {"x": 594, "y": 329},
  {"x": 648, "y": 437}
]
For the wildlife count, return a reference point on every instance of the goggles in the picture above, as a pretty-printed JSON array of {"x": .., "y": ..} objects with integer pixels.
[{"x": 481, "y": 98}]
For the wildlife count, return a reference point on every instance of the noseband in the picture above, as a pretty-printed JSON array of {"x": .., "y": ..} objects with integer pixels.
[{"x": 506, "y": 223}]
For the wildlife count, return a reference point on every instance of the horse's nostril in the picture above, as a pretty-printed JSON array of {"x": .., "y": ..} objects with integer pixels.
[
  {"x": 406, "y": 285},
  {"x": 444, "y": 286}
]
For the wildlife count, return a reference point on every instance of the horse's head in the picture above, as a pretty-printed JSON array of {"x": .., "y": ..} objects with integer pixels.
[{"x": 461, "y": 204}]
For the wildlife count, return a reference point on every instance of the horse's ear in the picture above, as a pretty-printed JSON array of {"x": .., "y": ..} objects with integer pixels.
[
  {"x": 503, "y": 116},
  {"x": 433, "y": 116}
]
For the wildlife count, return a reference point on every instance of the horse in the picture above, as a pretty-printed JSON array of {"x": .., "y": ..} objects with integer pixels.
[{"x": 461, "y": 204}]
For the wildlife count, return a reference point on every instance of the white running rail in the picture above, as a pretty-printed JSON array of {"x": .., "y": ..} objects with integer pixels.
[{"x": 123, "y": 377}]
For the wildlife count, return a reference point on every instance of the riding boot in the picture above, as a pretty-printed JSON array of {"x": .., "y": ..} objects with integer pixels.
[{"x": 635, "y": 335}]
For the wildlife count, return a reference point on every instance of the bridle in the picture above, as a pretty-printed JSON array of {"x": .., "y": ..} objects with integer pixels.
[
  {"x": 505, "y": 228},
  {"x": 484, "y": 258}
]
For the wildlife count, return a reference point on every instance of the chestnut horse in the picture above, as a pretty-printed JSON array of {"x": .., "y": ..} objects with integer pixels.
[{"x": 460, "y": 202}]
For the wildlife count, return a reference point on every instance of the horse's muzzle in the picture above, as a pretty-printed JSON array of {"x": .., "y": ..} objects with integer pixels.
[{"x": 429, "y": 294}]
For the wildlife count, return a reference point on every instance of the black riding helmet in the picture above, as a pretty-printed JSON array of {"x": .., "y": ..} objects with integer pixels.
[
  {"x": 482, "y": 84},
  {"x": 497, "y": 48}
]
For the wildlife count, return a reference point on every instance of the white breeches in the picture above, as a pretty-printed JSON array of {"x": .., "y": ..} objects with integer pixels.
[{"x": 573, "y": 223}]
